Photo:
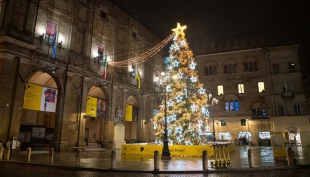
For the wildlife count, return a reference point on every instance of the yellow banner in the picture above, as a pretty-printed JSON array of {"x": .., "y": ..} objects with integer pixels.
[
  {"x": 91, "y": 107},
  {"x": 32, "y": 97},
  {"x": 128, "y": 112}
]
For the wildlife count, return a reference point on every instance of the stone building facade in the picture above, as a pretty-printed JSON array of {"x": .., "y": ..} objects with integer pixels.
[
  {"x": 259, "y": 90},
  {"x": 62, "y": 45}
]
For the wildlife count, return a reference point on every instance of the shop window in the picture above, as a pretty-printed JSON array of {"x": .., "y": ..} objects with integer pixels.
[
  {"x": 220, "y": 90},
  {"x": 224, "y": 136},
  {"x": 291, "y": 67},
  {"x": 261, "y": 87},
  {"x": 223, "y": 122},
  {"x": 243, "y": 122},
  {"x": 240, "y": 88}
]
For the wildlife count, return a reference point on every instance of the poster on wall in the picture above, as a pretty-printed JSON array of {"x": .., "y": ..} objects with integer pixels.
[
  {"x": 40, "y": 98},
  {"x": 128, "y": 112},
  {"x": 91, "y": 107},
  {"x": 101, "y": 108},
  {"x": 38, "y": 132},
  {"x": 32, "y": 97},
  {"x": 48, "y": 99},
  {"x": 24, "y": 136}
]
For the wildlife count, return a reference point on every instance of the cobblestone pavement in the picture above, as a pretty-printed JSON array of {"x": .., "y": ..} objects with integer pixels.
[{"x": 100, "y": 159}]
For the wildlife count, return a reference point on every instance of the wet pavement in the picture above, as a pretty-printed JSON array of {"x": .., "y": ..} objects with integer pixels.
[{"x": 98, "y": 159}]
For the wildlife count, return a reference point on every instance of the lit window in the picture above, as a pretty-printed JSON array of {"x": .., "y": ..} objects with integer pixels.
[
  {"x": 220, "y": 90},
  {"x": 240, "y": 88},
  {"x": 236, "y": 105},
  {"x": 291, "y": 67},
  {"x": 264, "y": 112},
  {"x": 223, "y": 122},
  {"x": 226, "y": 106},
  {"x": 261, "y": 87},
  {"x": 231, "y": 105}
]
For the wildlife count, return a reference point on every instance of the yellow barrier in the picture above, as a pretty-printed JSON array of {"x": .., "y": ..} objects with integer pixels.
[{"x": 175, "y": 150}]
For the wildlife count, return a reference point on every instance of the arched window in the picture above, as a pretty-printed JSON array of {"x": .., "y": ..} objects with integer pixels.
[
  {"x": 254, "y": 113},
  {"x": 206, "y": 71},
  {"x": 264, "y": 113},
  {"x": 225, "y": 69},
  {"x": 234, "y": 68},
  {"x": 246, "y": 69},
  {"x": 259, "y": 113},
  {"x": 231, "y": 105},
  {"x": 236, "y": 105},
  {"x": 210, "y": 70},
  {"x": 214, "y": 70},
  {"x": 226, "y": 106},
  {"x": 229, "y": 69},
  {"x": 251, "y": 67},
  {"x": 255, "y": 66}
]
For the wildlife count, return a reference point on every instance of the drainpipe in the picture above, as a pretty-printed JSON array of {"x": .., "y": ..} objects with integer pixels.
[{"x": 271, "y": 80}]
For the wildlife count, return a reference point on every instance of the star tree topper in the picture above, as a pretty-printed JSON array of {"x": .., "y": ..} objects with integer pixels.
[{"x": 179, "y": 30}]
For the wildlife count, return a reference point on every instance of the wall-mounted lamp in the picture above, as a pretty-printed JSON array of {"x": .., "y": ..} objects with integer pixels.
[
  {"x": 59, "y": 45},
  {"x": 41, "y": 37}
]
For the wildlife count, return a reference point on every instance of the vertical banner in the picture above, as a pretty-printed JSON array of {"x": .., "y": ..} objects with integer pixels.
[
  {"x": 91, "y": 107},
  {"x": 32, "y": 97},
  {"x": 101, "y": 108},
  {"x": 48, "y": 99},
  {"x": 128, "y": 112}
]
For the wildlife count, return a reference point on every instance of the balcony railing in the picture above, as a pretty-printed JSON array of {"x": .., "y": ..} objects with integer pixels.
[{"x": 287, "y": 95}]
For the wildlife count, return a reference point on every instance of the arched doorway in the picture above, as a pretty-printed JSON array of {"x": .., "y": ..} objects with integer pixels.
[
  {"x": 131, "y": 119},
  {"x": 38, "y": 114},
  {"x": 95, "y": 114}
]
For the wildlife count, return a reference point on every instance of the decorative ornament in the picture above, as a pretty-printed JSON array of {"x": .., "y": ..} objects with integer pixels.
[
  {"x": 192, "y": 65},
  {"x": 185, "y": 91},
  {"x": 180, "y": 75},
  {"x": 168, "y": 88},
  {"x": 175, "y": 63},
  {"x": 205, "y": 111},
  {"x": 179, "y": 30},
  {"x": 194, "y": 108},
  {"x": 201, "y": 90},
  {"x": 179, "y": 98},
  {"x": 183, "y": 43},
  {"x": 194, "y": 79},
  {"x": 170, "y": 103}
]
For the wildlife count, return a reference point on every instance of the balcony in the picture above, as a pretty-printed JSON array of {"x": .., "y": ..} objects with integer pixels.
[{"x": 287, "y": 95}]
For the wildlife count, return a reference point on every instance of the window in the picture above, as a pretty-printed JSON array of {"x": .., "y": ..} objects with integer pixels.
[
  {"x": 250, "y": 66},
  {"x": 255, "y": 66},
  {"x": 210, "y": 70},
  {"x": 231, "y": 105},
  {"x": 236, "y": 105},
  {"x": 50, "y": 32},
  {"x": 259, "y": 113},
  {"x": 103, "y": 14},
  {"x": 226, "y": 106},
  {"x": 134, "y": 34},
  {"x": 223, "y": 122},
  {"x": 206, "y": 71},
  {"x": 286, "y": 86},
  {"x": 297, "y": 109},
  {"x": 246, "y": 69},
  {"x": 240, "y": 88},
  {"x": 264, "y": 112},
  {"x": 225, "y": 69},
  {"x": 254, "y": 116},
  {"x": 243, "y": 122},
  {"x": 234, "y": 68},
  {"x": 214, "y": 70},
  {"x": 275, "y": 68},
  {"x": 220, "y": 90},
  {"x": 261, "y": 87},
  {"x": 281, "y": 110},
  {"x": 229, "y": 69},
  {"x": 291, "y": 67}
]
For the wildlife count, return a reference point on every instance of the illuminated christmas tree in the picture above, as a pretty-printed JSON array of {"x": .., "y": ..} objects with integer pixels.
[{"x": 185, "y": 99}]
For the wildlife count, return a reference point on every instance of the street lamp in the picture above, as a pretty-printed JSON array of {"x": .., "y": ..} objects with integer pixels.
[
  {"x": 166, "y": 153},
  {"x": 214, "y": 101}
]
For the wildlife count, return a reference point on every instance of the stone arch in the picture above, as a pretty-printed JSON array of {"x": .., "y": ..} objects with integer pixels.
[{"x": 230, "y": 61}]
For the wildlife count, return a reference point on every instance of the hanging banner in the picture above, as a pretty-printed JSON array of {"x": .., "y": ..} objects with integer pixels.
[
  {"x": 32, "y": 97},
  {"x": 128, "y": 112},
  {"x": 101, "y": 108},
  {"x": 91, "y": 107},
  {"x": 48, "y": 99}
]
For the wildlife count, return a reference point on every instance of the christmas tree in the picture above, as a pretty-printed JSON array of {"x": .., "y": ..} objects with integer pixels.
[{"x": 184, "y": 98}]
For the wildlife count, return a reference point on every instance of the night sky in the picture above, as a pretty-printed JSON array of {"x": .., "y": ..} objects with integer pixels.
[{"x": 279, "y": 22}]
